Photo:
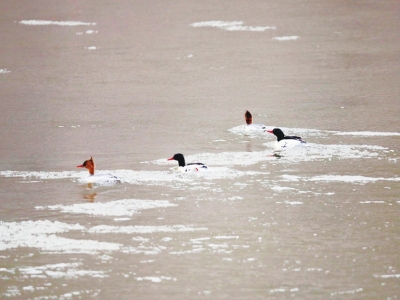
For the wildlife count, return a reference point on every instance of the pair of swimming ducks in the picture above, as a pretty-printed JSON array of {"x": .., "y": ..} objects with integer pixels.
[{"x": 283, "y": 142}]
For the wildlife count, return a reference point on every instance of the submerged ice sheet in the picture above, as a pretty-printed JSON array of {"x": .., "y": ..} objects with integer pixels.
[{"x": 126, "y": 207}]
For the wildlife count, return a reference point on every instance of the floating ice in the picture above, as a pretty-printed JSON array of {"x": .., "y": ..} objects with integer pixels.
[
  {"x": 286, "y": 38},
  {"x": 61, "y": 270},
  {"x": 4, "y": 71},
  {"x": 42, "y": 235},
  {"x": 368, "y": 133},
  {"x": 58, "y": 23},
  {"x": 339, "y": 178},
  {"x": 231, "y": 26},
  {"x": 386, "y": 276},
  {"x": 143, "y": 229},
  {"x": 155, "y": 279},
  {"x": 126, "y": 207}
]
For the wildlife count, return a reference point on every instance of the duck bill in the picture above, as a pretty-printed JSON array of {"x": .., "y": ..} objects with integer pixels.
[
  {"x": 80, "y": 166},
  {"x": 270, "y": 131},
  {"x": 170, "y": 158}
]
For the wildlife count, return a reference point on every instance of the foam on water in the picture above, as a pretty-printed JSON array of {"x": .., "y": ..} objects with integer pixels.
[
  {"x": 231, "y": 26},
  {"x": 58, "y": 23}
]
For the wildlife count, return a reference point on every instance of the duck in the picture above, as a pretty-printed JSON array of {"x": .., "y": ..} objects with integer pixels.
[
  {"x": 248, "y": 117},
  {"x": 285, "y": 141},
  {"x": 183, "y": 167},
  {"x": 99, "y": 178}
]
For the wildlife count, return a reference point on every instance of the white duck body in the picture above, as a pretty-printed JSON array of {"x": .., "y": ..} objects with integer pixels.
[
  {"x": 285, "y": 142},
  {"x": 185, "y": 168}
]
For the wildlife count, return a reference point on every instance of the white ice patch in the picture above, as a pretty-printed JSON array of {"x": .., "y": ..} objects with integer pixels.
[
  {"x": 4, "y": 71},
  {"x": 126, "y": 207},
  {"x": 155, "y": 279},
  {"x": 231, "y": 26},
  {"x": 42, "y": 235},
  {"x": 58, "y": 23},
  {"x": 61, "y": 270},
  {"x": 143, "y": 229},
  {"x": 386, "y": 276},
  {"x": 368, "y": 133},
  {"x": 339, "y": 178},
  {"x": 286, "y": 38}
]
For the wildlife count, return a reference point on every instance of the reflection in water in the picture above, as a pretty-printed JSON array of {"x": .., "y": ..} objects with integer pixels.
[{"x": 89, "y": 197}]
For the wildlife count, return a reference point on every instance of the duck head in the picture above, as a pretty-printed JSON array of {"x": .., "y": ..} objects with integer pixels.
[
  {"x": 179, "y": 158},
  {"x": 88, "y": 164},
  {"x": 248, "y": 117}
]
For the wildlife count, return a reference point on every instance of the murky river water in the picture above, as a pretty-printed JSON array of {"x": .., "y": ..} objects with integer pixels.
[{"x": 133, "y": 82}]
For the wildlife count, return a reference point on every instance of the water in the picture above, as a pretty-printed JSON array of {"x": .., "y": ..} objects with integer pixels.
[{"x": 133, "y": 83}]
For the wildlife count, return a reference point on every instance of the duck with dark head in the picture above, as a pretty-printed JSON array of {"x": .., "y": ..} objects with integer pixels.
[
  {"x": 183, "y": 167},
  {"x": 285, "y": 141}
]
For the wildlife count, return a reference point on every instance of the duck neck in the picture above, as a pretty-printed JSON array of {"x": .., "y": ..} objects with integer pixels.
[
  {"x": 181, "y": 162},
  {"x": 91, "y": 170}
]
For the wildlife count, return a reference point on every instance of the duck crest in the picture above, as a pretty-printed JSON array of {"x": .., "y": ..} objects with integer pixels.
[{"x": 248, "y": 117}]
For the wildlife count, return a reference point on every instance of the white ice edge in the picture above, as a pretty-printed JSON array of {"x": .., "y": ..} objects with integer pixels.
[
  {"x": 231, "y": 26},
  {"x": 60, "y": 270},
  {"x": 286, "y": 38},
  {"x": 125, "y": 207},
  {"x": 42, "y": 234},
  {"x": 58, "y": 23},
  {"x": 257, "y": 129},
  {"x": 339, "y": 178}
]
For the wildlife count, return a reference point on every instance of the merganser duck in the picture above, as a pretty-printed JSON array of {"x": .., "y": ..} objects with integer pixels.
[
  {"x": 249, "y": 123},
  {"x": 101, "y": 178},
  {"x": 285, "y": 141},
  {"x": 88, "y": 164},
  {"x": 183, "y": 167},
  {"x": 248, "y": 117}
]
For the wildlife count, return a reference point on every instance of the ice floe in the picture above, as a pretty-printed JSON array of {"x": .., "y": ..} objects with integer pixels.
[
  {"x": 286, "y": 38},
  {"x": 126, "y": 207},
  {"x": 58, "y": 23},
  {"x": 42, "y": 235},
  {"x": 231, "y": 26},
  {"x": 339, "y": 178},
  {"x": 143, "y": 229}
]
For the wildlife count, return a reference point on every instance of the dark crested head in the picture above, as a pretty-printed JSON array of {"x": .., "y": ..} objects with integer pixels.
[
  {"x": 278, "y": 133},
  {"x": 248, "y": 117},
  {"x": 179, "y": 158}
]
